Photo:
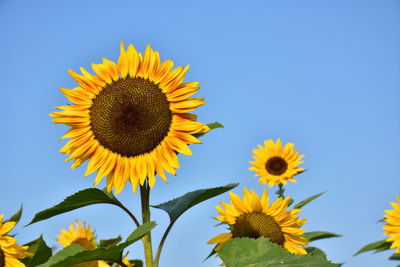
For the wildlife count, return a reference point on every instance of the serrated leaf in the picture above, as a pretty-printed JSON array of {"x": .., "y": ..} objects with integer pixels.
[
  {"x": 213, "y": 125},
  {"x": 80, "y": 199},
  {"x": 307, "y": 200},
  {"x": 381, "y": 245},
  {"x": 71, "y": 256},
  {"x": 41, "y": 252},
  {"x": 178, "y": 206},
  {"x": 110, "y": 242},
  {"x": 312, "y": 236},
  {"x": 239, "y": 252},
  {"x": 315, "y": 251},
  {"x": 395, "y": 257},
  {"x": 17, "y": 216}
]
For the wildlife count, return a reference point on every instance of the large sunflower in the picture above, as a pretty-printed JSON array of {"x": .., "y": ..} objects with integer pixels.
[
  {"x": 10, "y": 252},
  {"x": 392, "y": 228},
  {"x": 130, "y": 118},
  {"x": 253, "y": 217},
  {"x": 274, "y": 164}
]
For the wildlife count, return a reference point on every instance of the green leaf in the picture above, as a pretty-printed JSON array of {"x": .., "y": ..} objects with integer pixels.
[
  {"x": 312, "y": 236},
  {"x": 315, "y": 252},
  {"x": 307, "y": 200},
  {"x": 239, "y": 252},
  {"x": 178, "y": 206},
  {"x": 72, "y": 255},
  {"x": 377, "y": 246},
  {"x": 395, "y": 257},
  {"x": 213, "y": 125},
  {"x": 110, "y": 242},
  {"x": 16, "y": 216},
  {"x": 137, "y": 263},
  {"x": 78, "y": 200},
  {"x": 41, "y": 252}
]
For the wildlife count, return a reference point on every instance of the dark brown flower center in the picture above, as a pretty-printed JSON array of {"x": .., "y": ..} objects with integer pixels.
[
  {"x": 2, "y": 258},
  {"x": 130, "y": 116},
  {"x": 257, "y": 224},
  {"x": 276, "y": 166}
]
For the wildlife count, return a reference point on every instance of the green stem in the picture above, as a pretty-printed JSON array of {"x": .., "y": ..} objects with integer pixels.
[
  {"x": 281, "y": 190},
  {"x": 160, "y": 246},
  {"x": 145, "y": 197}
]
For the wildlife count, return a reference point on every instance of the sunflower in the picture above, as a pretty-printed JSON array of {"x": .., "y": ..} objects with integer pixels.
[
  {"x": 253, "y": 217},
  {"x": 10, "y": 252},
  {"x": 130, "y": 119},
  {"x": 274, "y": 164},
  {"x": 392, "y": 228}
]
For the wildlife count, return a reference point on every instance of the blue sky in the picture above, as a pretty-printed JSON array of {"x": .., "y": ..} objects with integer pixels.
[{"x": 321, "y": 74}]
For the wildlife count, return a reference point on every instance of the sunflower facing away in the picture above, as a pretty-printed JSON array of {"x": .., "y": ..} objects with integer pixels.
[
  {"x": 83, "y": 236},
  {"x": 392, "y": 228},
  {"x": 130, "y": 118},
  {"x": 253, "y": 217},
  {"x": 274, "y": 164},
  {"x": 10, "y": 252}
]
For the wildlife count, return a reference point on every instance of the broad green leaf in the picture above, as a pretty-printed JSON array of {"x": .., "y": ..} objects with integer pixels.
[
  {"x": 41, "y": 252},
  {"x": 16, "y": 216},
  {"x": 239, "y": 252},
  {"x": 315, "y": 251},
  {"x": 378, "y": 245},
  {"x": 178, "y": 206},
  {"x": 212, "y": 126},
  {"x": 395, "y": 257},
  {"x": 70, "y": 256},
  {"x": 307, "y": 200},
  {"x": 312, "y": 236},
  {"x": 110, "y": 242},
  {"x": 78, "y": 200}
]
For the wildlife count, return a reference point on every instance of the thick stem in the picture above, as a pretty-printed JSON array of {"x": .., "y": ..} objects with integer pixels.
[{"x": 145, "y": 197}]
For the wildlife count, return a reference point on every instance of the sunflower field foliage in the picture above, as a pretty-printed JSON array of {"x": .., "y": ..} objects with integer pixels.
[{"x": 129, "y": 120}]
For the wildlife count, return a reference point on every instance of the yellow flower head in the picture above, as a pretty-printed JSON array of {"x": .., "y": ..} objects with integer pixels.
[
  {"x": 274, "y": 164},
  {"x": 392, "y": 227},
  {"x": 130, "y": 118},
  {"x": 10, "y": 252},
  {"x": 253, "y": 217}
]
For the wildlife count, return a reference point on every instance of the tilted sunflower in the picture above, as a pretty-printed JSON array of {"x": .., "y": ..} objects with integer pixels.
[
  {"x": 392, "y": 227},
  {"x": 10, "y": 252},
  {"x": 130, "y": 118},
  {"x": 253, "y": 217},
  {"x": 82, "y": 235},
  {"x": 274, "y": 164}
]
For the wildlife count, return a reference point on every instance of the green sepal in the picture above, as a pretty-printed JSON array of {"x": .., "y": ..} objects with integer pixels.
[
  {"x": 395, "y": 257},
  {"x": 239, "y": 252},
  {"x": 213, "y": 125},
  {"x": 213, "y": 252},
  {"x": 110, "y": 242},
  {"x": 17, "y": 216},
  {"x": 316, "y": 235},
  {"x": 75, "y": 254},
  {"x": 307, "y": 200},
  {"x": 78, "y": 200},
  {"x": 41, "y": 252},
  {"x": 176, "y": 207},
  {"x": 377, "y": 246}
]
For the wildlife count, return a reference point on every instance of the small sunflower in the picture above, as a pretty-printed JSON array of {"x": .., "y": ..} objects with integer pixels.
[
  {"x": 392, "y": 228},
  {"x": 253, "y": 217},
  {"x": 130, "y": 119},
  {"x": 10, "y": 252},
  {"x": 274, "y": 164}
]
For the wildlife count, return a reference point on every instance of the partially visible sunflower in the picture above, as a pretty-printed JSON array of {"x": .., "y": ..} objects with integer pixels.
[
  {"x": 83, "y": 236},
  {"x": 253, "y": 217},
  {"x": 130, "y": 119},
  {"x": 392, "y": 228},
  {"x": 10, "y": 252},
  {"x": 274, "y": 164}
]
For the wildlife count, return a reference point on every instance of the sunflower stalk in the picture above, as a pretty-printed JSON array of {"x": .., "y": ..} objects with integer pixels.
[
  {"x": 280, "y": 191},
  {"x": 145, "y": 197}
]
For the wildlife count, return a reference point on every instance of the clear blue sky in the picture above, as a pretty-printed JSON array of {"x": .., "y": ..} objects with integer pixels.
[{"x": 321, "y": 74}]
